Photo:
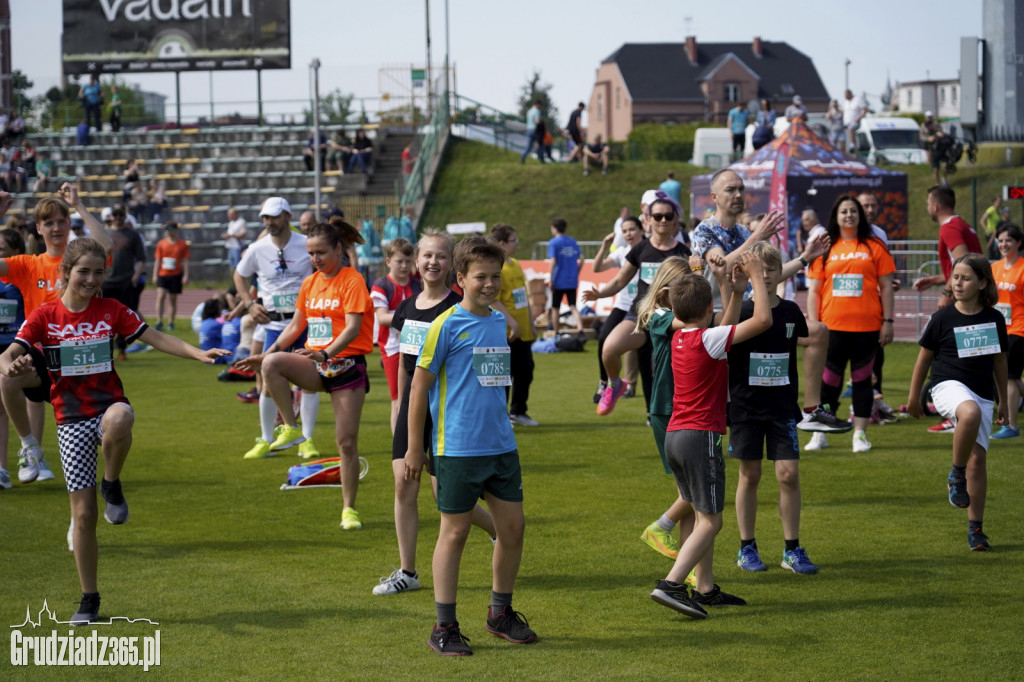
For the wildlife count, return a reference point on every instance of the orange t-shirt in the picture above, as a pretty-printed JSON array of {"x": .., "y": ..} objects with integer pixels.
[
  {"x": 1010, "y": 283},
  {"x": 849, "y": 296},
  {"x": 325, "y": 302},
  {"x": 170, "y": 256},
  {"x": 36, "y": 277}
]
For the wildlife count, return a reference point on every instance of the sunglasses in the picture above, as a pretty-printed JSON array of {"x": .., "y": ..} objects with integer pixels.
[
  {"x": 281, "y": 263},
  {"x": 659, "y": 217}
]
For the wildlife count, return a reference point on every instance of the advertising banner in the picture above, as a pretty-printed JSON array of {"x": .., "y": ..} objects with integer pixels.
[{"x": 154, "y": 36}]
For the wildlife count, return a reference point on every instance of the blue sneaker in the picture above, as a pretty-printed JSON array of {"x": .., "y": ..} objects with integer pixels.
[
  {"x": 958, "y": 496},
  {"x": 977, "y": 541},
  {"x": 750, "y": 560},
  {"x": 796, "y": 560},
  {"x": 1007, "y": 432}
]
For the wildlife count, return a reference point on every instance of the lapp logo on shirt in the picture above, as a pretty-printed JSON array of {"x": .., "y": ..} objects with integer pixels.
[
  {"x": 45, "y": 285},
  {"x": 322, "y": 304},
  {"x": 1006, "y": 286},
  {"x": 851, "y": 256}
]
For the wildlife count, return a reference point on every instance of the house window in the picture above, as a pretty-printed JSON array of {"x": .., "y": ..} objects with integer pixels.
[
  {"x": 600, "y": 107},
  {"x": 910, "y": 98},
  {"x": 787, "y": 89},
  {"x": 732, "y": 92},
  {"x": 942, "y": 96},
  {"x": 952, "y": 95},
  {"x": 618, "y": 98}
]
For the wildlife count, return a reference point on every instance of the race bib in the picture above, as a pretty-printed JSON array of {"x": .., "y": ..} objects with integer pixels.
[
  {"x": 1003, "y": 308},
  {"x": 976, "y": 339},
  {"x": 9, "y": 311},
  {"x": 631, "y": 289},
  {"x": 285, "y": 303},
  {"x": 320, "y": 331},
  {"x": 412, "y": 337},
  {"x": 648, "y": 271},
  {"x": 847, "y": 285},
  {"x": 79, "y": 357},
  {"x": 769, "y": 369},
  {"x": 168, "y": 263},
  {"x": 493, "y": 366},
  {"x": 519, "y": 297}
]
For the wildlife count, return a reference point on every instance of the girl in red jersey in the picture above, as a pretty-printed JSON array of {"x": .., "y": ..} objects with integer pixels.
[
  {"x": 335, "y": 307},
  {"x": 76, "y": 332}
]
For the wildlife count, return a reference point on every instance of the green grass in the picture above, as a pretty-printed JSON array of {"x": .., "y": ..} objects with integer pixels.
[
  {"x": 251, "y": 582},
  {"x": 482, "y": 183}
]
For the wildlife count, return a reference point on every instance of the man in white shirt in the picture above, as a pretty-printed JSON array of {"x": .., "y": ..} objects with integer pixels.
[
  {"x": 233, "y": 237},
  {"x": 854, "y": 109}
]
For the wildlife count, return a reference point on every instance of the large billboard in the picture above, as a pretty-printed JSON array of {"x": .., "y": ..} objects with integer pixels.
[{"x": 148, "y": 36}]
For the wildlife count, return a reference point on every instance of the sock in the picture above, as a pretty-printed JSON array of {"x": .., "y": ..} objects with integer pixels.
[
  {"x": 974, "y": 525},
  {"x": 792, "y": 544},
  {"x": 616, "y": 383},
  {"x": 111, "y": 491},
  {"x": 308, "y": 407},
  {"x": 29, "y": 441},
  {"x": 445, "y": 613},
  {"x": 268, "y": 410},
  {"x": 810, "y": 409},
  {"x": 958, "y": 472},
  {"x": 411, "y": 575},
  {"x": 499, "y": 600},
  {"x": 666, "y": 523},
  {"x": 747, "y": 543}
]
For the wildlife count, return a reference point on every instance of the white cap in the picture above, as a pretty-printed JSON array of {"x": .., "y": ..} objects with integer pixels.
[
  {"x": 649, "y": 197},
  {"x": 927, "y": 114},
  {"x": 797, "y": 99},
  {"x": 275, "y": 206}
]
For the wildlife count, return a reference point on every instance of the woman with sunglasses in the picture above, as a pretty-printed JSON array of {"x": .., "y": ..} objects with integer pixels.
[{"x": 644, "y": 258}]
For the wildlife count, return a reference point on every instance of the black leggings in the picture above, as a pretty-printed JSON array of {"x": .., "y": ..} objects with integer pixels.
[{"x": 858, "y": 350}]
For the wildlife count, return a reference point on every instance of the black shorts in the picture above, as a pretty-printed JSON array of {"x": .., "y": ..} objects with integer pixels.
[
  {"x": 557, "y": 294},
  {"x": 699, "y": 468},
  {"x": 752, "y": 439},
  {"x": 336, "y": 377},
  {"x": 1015, "y": 356},
  {"x": 400, "y": 441},
  {"x": 172, "y": 283},
  {"x": 576, "y": 136}
]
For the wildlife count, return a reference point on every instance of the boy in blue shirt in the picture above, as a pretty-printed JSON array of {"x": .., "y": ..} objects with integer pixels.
[
  {"x": 462, "y": 372},
  {"x": 565, "y": 259}
]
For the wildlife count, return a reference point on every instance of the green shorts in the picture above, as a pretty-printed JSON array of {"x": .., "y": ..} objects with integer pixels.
[
  {"x": 461, "y": 481},
  {"x": 659, "y": 425}
]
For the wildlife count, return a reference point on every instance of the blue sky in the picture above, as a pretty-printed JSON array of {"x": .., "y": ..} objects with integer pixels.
[{"x": 496, "y": 46}]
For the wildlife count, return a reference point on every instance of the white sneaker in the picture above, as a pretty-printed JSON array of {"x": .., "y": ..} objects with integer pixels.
[
  {"x": 860, "y": 442},
  {"x": 28, "y": 463},
  {"x": 5, "y": 479},
  {"x": 397, "y": 582},
  {"x": 818, "y": 441},
  {"x": 44, "y": 471},
  {"x": 522, "y": 420},
  {"x": 71, "y": 535}
]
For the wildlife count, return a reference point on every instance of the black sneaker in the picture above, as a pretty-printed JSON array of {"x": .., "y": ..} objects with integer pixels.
[
  {"x": 717, "y": 598},
  {"x": 958, "y": 496},
  {"x": 117, "y": 509},
  {"x": 676, "y": 597},
  {"x": 448, "y": 641},
  {"x": 977, "y": 541},
  {"x": 88, "y": 609},
  {"x": 820, "y": 419},
  {"x": 600, "y": 390},
  {"x": 511, "y": 625}
]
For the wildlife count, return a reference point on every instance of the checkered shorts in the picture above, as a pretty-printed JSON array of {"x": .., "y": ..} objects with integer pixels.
[{"x": 78, "y": 443}]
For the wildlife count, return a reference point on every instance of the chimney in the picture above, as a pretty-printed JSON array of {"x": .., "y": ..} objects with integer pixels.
[
  {"x": 756, "y": 47},
  {"x": 691, "y": 48}
]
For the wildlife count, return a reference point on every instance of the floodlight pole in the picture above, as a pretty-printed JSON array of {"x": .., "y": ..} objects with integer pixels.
[
  {"x": 177, "y": 95},
  {"x": 846, "y": 78},
  {"x": 315, "y": 67}
]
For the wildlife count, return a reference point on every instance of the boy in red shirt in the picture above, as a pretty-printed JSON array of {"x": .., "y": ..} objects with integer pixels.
[{"x": 693, "y": 442}]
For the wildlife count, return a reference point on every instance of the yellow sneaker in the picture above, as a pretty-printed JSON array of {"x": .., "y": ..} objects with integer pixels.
[
  {"x": 285, "y": 437},
  {"x": 350, "y": 519},
  {"x": 260, "y": 450},
  {"x": 307, "y": 450},
  {"x": 660, "y": 540}
]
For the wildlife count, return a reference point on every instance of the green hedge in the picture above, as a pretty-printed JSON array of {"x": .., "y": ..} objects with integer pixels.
[{"x": 659, "y": 142}]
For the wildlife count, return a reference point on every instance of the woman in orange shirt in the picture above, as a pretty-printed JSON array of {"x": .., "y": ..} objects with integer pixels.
[
  {"x": 850, "y": 291},
  {"x": 170, "y": 272},
  {"x": 1008, "y": 274},
  {"x": 335, "y": 308}
]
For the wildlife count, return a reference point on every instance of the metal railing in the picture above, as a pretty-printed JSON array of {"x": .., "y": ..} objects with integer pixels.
[{"x": 431, "y": 140}]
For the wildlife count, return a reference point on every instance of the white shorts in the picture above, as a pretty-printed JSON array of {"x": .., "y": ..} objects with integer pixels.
[
  {"x": 948, "y": 395},
  {"x": 260, "y": 335}
]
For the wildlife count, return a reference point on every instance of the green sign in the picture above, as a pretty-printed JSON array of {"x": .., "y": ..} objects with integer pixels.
[
  {"x": 382, "y": 211},
  {"x": 419, "y": 75}
]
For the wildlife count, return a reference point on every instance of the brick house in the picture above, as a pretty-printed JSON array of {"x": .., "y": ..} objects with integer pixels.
[{"x": 680, "y": 82}]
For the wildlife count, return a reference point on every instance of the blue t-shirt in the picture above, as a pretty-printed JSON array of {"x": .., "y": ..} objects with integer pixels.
[
  {"x": 470, "y": 357},
  {"x": 12, "y": 312},
  {"x": 566, "y": 252},
  {"x": 92, "y": 92},
  {"x": 672, "y": 188},
  {"x": 210, "y": 333},
  {"x": 738, "y": 120}
]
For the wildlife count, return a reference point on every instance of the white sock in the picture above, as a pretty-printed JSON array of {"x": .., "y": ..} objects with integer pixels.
[
  {"x": 666, "y": 523},
  {"x": 309, "y": 405},
  {"x": 268, "y": 411},
  {"x": 29, "y": 441}
]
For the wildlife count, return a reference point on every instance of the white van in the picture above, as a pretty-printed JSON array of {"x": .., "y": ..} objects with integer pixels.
[
  {"x": 712, "y": 147},
  {"x": 889, "y": 140}
]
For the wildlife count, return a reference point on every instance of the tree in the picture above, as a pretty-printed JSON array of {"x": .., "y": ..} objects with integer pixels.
[
  {"x": 534, "y": 90},
  {"x": 61, "y": 108},
  {"x": 335, "y": 107},
  {"x": 21, "y": 85}
]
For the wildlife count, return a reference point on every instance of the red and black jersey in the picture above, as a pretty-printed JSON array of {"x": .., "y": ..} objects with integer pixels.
[{"x": 79, "y": 349}]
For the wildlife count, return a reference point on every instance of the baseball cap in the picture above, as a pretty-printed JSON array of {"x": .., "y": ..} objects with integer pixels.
[
  {"x": 649, "y": 197},
  {"x": 275, "y": 206},
  {"x": 797, "y": 99},
  {"x": 927, "y": 114}
]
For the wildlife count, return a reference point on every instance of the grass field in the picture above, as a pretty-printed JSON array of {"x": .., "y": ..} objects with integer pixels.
[
  {"x": 482, "y": 183},
  {"x": 249, "y": 582}
]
